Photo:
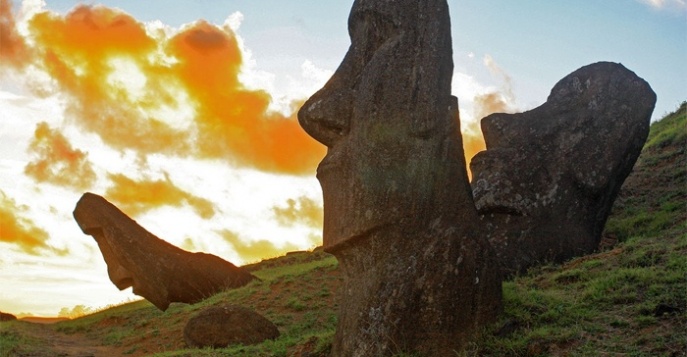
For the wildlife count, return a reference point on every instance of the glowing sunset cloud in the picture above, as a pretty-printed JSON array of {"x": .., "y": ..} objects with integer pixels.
[
  {"x": 501, "y": 100},
  {"x": 13, "y": 51},
  {"x": 176, "y": 95},
  {"x": 57, "y": 162},
  {"x": 18, "y": 230},
  {"x": 179, "y": 94},
  {"x": 137, "y": 197},
  {"x": 146, "y": 90},
  {"x": 254, "y": 251},
  {"x": 301, "y": 210}
]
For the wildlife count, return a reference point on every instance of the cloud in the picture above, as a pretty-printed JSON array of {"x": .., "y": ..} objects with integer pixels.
[
  {"x": 18, "y": 230},
  {"x": 138, "y": 197},
  {"x": 492, "y": 102},
  {"x": 255, "y": 250},
  {"x": 482, "y": 101},
  {"x": 153, "y": 89},
  {"x": 666, "y": 4},
  {"x": 501, "y": 100},
  {"x": 75, "y": 312},
  {"x": 13, "y": 49},
  {"x": 302, "y": 210},
  {"x": 56, "y": 162},
  {"x": 232, "y": 120}
]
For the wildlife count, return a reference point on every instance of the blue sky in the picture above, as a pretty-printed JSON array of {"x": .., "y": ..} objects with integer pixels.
[
  {"x": 518, "y": 50},
  {"x": 539, "y": 42}
]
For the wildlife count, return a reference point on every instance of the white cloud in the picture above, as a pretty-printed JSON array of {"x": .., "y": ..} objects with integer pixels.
[
  {"x": 466, "y": 88},
  {"x": 234, "y": 21},
  {"x": 666, "y": 4}
]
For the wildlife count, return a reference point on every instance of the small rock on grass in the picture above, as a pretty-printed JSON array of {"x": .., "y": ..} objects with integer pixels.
[{"x": 226, "y": 325}]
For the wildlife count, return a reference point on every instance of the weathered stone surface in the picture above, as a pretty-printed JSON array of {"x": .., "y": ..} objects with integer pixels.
[
  {"x": 546, "y": 183},
  {"x": 157, "y": 270},
  {"x": 225, "y": 325},
  {"x": 7, "y": 317},
  {"x": 419, "y": 275}
]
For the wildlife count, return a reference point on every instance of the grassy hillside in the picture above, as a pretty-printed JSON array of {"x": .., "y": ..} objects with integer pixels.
[{"x": 630, "y": 299}]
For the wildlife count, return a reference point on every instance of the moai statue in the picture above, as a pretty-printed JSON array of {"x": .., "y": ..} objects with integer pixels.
[
  {"x": 547, "y": 181},
  {"x": 419, "y": 274},
  {"x": 153, "y": 268}
]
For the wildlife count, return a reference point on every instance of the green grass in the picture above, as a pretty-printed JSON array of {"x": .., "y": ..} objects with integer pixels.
[
  {"x": 656, "y": 200},
  {"x": 9, "y": 339},
  {"x": 610, "y": 305},
  {"x": 17, "y": 338},
  {"x": 671, "y": 130}
]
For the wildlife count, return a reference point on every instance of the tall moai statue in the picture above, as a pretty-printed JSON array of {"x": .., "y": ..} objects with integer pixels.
[{"x": 419, "y": 274}]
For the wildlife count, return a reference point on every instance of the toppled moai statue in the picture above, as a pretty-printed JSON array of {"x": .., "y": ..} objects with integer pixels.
[
  {"x": 419, "y": 274},
  {"x": 546, "y": 183},
  {"x": 157, "y": 270}
]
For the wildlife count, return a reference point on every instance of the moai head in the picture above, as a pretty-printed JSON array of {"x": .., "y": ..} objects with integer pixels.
[
  {"x": 155, "y": 269},
  {"x": 553, "y": 172},
  {"x": 130, "y": 252},
  {"x": 389, "y": 122}
]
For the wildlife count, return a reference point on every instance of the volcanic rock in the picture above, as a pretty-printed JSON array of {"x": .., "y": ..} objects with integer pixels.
[
  {"x": 419, "y": 274},
  {"x": 546, "y": 183},
  {"x": 157, "y": 270},
  {"x": 222, "y": 326},
  {"x": 7, "y": 317}
]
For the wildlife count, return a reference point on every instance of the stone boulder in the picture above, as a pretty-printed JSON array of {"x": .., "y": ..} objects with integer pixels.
[
  {"x": 7, "y": 317},
  {"x": 418, "y": 272},
  {"x": 225, "y": 325},
  {"x": 157, "y": 270},
  {"x": 545, "y": 185}
]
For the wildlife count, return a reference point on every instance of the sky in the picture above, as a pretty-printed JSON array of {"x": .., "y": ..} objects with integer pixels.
[{"x": 182, "y": 113}]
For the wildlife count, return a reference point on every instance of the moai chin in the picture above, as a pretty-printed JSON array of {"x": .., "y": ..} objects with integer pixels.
[{"x": 419, "y": 274}]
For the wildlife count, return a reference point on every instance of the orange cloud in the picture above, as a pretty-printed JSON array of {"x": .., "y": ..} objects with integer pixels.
[
  {"x": 137, "y": 197},
  {"x": 302, "y": 210},
  {"x": 473, "y": 142},
  {"x": 500, "y": 101},
  {"x": 80, "y": 51},
  {"x": 18, "y": 230},
  {"x": 483, "y": 105},
  {"x": 178, "y": 95},
  {"x": 56, "y": 161},
  {"x": 13, "y": 49},
  {"x": 255, "y": 251},
  {"x": 232, "y": 120},
  {"x": 490, "y": 103}
]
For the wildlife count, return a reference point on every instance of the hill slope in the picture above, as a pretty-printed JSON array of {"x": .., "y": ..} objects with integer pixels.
[{"x": 628, "y": 300}]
